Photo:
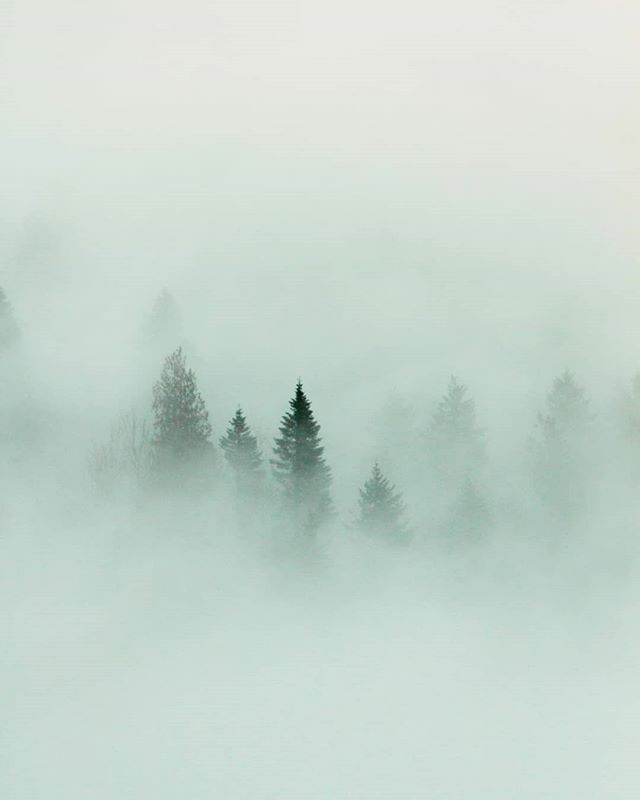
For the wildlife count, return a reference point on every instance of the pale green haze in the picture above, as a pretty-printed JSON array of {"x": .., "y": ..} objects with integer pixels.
[{"x": 424, "y": 217}]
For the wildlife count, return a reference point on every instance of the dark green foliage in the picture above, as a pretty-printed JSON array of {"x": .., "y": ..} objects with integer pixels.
[
  {"x": 456, "y": 444},
  {"x": 241, "y": 451},
  {"x": 469, "y": 517},
  {"x": 382, "y": 509},
  {"x": 9, "y": 331},
  {"x": 181, "y": 429},
  {"x": 299, "y": 465}
]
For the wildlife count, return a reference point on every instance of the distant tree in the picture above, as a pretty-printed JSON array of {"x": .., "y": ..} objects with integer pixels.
[
  {"x": 469, "y": 517},
  {"x": 123, "y": 462},
  {"x": 381, "y": 509},
  {"x": 630, "y": 411},
  {"x": 299, "y": 465},
  {"x": 240, "y": 448},
  {"x": 164, "y": 324},
  {"x": 560, "y": 445},
  {"x": 181, "y": 428},
  {"x": 456, "y": 443},
  {"x": 9, "y": 331},
  {"x": 626, "y": 431},
  {"x": 568, "y": 410}
]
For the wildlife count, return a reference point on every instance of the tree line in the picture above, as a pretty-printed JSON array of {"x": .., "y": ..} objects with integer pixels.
[
  {"x": 176, "y": 452},
  {"x": 181, "y": 456}
]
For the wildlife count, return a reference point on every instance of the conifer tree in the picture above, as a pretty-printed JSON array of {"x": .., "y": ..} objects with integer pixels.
[
  {"x": 559, "y": 449},
  {"x": 567, "y": 408},
  {"x": 241, "y": 452},
  {"x": 181, "y": 428},
  {"x": 9, "y": 332},
  {"x": 382, "y": 508},
  {"x": 299, "y": 465},
  {"x": 456, "y": 444}
]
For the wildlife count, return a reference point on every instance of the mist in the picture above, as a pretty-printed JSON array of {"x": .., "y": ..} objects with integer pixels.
[{"x": 412, "y": 225}]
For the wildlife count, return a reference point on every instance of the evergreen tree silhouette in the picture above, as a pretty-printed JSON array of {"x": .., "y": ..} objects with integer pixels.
[
  {"x": 382, "y": 508},
  {"x": 240, "y": 448},
  {"x": 299, "y": 465},
  {"x": 181, "y": 429},
  {"x": 560, "y": 447},
  {"x": 456, "y": 444}
]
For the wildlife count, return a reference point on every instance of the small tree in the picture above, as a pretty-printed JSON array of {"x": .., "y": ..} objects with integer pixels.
[
  {"x": 181, "y": 429},
  {"x": 299, "y": 465},
  {"x": 456, "y": 444},
  {"x": 382, "y": 509},
  {"x": 9, "y": 331},
  {"x": 241, "y": 452}
]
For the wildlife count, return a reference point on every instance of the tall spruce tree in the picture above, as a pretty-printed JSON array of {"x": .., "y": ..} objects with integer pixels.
[
  {"x": 299, "y": 465},
  {"x": 240, "y": 448},
  {"x": 181, "y": 428},
  {"x": 456, "y": 443},
  {"x": 381, "y": 509},
  {"x": 9, "y": 331}
]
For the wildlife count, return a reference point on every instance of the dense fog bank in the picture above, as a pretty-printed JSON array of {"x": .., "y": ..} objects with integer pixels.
[{"x": 320, "y": 408}]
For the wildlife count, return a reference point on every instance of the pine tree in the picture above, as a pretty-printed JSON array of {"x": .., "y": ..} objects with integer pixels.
[
  {"x": 456, "y": 444},
  {"x": 9, "y": 331},
  {"x": 382, "y": 508},
  {"x": 241, "y": 452},
  {"x": 299, "y": 465},
  {"x": 568, "y": 410},
  {"x": 181, "y": 426},
  {"x": 559, "y": 449}
]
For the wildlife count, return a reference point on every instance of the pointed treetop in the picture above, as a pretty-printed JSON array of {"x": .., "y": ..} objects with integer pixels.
[
  {"x": 240, "y": 446},
  {"x": 382, "y": 508},
  {"x": 567, "y": 412},
  {"x": 181, "y": 423},
  {"x": 456, "y": 443},
  {"x": 299, "y": 465}
]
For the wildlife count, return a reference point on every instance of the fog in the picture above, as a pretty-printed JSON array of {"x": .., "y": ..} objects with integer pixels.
[{"x": 368, "y": 198}]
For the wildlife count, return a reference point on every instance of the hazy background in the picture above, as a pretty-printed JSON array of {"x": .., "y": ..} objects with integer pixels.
[{"x": 370, "y": 196}]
